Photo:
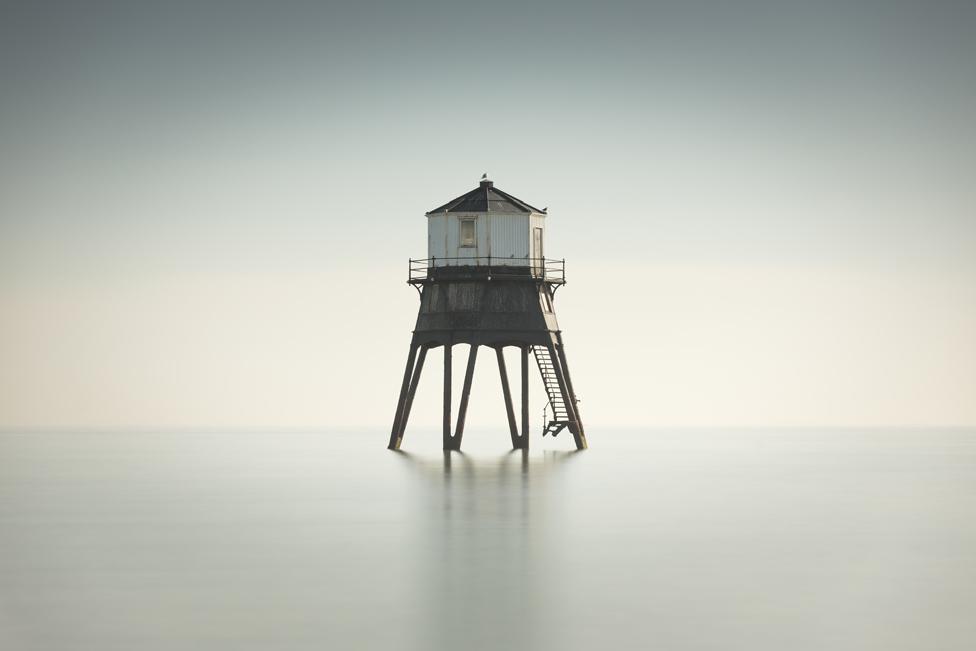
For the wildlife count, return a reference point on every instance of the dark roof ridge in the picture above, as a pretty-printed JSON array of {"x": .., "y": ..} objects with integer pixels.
[
  {"x": 481, "y": 200},
  {"x": 530, "y": 207}
]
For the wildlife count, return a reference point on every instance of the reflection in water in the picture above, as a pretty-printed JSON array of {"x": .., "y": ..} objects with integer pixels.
[
  {"x": 759, "y": 540},
  {"x": 484, "y": 533}
]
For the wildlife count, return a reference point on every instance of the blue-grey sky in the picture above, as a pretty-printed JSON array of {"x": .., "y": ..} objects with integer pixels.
[{"x": 768, "y": 209}]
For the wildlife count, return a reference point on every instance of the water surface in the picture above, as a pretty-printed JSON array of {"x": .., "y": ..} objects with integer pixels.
[{"x": 670, "y": 539}]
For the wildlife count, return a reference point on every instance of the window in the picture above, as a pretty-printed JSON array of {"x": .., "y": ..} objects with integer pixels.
[{"x": 467, "y": 232}]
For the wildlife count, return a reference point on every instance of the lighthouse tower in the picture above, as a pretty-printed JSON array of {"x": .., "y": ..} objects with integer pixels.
[{"x": 486, "y": 282}]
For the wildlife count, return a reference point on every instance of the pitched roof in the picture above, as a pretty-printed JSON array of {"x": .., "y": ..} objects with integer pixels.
[{"x": 486, "y": 198}]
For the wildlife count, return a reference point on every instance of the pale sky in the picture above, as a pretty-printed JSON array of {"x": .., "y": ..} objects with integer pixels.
[{"x": 768, "y": 210}]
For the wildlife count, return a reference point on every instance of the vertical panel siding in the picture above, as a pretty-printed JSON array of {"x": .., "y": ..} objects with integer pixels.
[
  {"x": 453, "y": 238},
  {"x": 437, "y": 236},
  {"x": 484, "y": 223},
  {"x": 507, "y": 238},
  {"x": 509, "y": 241}
]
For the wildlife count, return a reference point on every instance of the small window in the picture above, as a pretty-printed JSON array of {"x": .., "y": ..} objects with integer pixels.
[{"x": 467, "y": 232}]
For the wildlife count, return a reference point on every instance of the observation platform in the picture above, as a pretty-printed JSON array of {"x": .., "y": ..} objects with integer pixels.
[{"x": 545, "y": 270}]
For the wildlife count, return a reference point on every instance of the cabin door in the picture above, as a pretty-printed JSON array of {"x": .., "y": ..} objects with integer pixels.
[{"x": 538, "y": 257}]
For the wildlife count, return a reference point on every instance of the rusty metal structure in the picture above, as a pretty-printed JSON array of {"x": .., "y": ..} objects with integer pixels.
[{"x": 491, "y": 302}]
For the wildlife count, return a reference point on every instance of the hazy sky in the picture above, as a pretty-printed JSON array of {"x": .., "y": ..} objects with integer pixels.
[{"x": 768, "y": 209}]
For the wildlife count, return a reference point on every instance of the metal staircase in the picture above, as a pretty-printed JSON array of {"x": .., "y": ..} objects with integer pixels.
[{"x": 561, "y": 417}]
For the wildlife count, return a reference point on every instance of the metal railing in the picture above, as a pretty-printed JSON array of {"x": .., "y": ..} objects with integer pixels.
[{"x": 549, "y": 270}]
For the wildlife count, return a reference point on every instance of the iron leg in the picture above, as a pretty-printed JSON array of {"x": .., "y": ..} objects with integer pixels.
[
  {"x": 465, "y": 393},
  {"x": 398, "y": 420}
]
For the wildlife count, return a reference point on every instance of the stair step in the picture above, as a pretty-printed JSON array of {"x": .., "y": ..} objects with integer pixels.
[
  {"x": 558, "y": 399},
  {"x": 554, "y": 427}
]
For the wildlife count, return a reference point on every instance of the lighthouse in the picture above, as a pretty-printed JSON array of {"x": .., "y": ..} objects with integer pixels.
[{"x": 486, "y": 282}]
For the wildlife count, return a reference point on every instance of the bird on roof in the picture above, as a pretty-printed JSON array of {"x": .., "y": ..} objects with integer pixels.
[{"x": 484, "y": 177}]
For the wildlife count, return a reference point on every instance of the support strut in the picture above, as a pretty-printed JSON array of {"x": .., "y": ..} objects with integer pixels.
[
  {"x": 465, "y": 393},
  {"x": 562, "y": 377},
  {"x": 418, "y": 367},
  {"x": 507, "y": 393},
  {"x": 447, "y": 396},
  {"x": 525, "y": 397},
  {"x": 396, "y": 434}
]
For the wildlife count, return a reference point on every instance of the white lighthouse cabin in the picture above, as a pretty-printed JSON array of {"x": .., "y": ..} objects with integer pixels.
[{"x": 486, "y": 227}]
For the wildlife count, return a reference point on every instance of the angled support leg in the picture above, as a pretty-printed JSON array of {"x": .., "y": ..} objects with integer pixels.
[
  {"x": 465, "y": 393},
  {"x": 579, "y": 434},
  {"x": 525, "y": 397},
  {"x": 506, "y": 391},
  {"x": 447, "y": 396},
  {"x": 398, "y": 420},
  {"x": 418, "y": 367}
]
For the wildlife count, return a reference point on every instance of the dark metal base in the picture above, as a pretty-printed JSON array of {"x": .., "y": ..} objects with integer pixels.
[
  {"x": 519, "y": 434},
  {"x": 496, "y": 315}
]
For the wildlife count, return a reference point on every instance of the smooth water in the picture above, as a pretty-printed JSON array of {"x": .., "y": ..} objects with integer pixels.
[{"x": 666, "y": 539}]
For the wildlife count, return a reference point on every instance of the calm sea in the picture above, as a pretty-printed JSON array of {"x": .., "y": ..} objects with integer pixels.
[{"x": 652, "y": 539}]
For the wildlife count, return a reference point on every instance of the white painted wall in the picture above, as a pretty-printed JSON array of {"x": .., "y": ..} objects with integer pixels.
[
  {"x": 509, "y": 243},
  {"x": 437, "y": 236},
  {"x": 506, "y": 237}
]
